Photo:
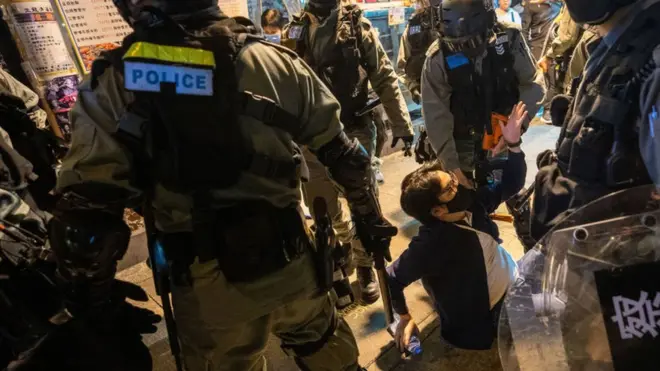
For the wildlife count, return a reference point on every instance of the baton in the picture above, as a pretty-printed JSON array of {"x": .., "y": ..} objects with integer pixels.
[
  {"x": 160, "y": 270},
  {"x": 379, "y": 263},
  {"x": 383, "y": 231}
]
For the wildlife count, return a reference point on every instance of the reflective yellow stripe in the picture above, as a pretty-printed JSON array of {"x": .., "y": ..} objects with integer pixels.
[{"x": 171, "y": 54}]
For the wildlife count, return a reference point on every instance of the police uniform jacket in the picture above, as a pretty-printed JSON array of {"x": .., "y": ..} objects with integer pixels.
[
  {"x": 96, "y": 157},
  {"x": 437, "y": 93},
  {"x": 322, "y": 39}
]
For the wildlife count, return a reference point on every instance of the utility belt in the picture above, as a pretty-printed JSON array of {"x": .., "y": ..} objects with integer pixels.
[{"x": 249, "y": 241}]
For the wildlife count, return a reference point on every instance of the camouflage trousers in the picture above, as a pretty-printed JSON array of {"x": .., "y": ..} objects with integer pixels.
[{"x": 320, "y": 185}]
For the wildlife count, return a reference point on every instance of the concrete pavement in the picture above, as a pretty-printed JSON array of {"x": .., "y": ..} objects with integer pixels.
[{"x": 368, "y": 323}]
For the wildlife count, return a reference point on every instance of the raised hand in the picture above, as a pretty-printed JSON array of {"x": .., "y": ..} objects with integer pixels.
[{"x": 512, "y": 131}]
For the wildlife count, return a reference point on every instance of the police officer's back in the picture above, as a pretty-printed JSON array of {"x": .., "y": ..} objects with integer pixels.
[
  {"x": 476, "y": 69},
  {"x": 608, "y": 138},
  {"x": 202, "y": 120}
]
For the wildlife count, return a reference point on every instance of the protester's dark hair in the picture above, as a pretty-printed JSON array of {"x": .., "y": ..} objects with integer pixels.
[
  {"x": 272, "y": 17},
  {"x": 420, "y": 190}
]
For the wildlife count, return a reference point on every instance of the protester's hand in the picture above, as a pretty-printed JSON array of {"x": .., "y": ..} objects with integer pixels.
[
  {"x": 512, "y": 131},
  {"x": 501, "y": 145},
  {"x": 462, "y": 179},
  {"x": 407, "y": 144},
  {"x": 405, "y": 329},
  {"x": 544, "y": 64}
]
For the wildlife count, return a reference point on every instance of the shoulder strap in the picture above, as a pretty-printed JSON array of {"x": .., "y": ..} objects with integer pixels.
[
  {"x": 267, "y": 111},
  {"x": 353, "y": 14}
]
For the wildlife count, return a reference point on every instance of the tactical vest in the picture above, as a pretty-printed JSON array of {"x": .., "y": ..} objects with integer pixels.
[
  {"x": 475, "y": 97},
  {"x": 186, "y": 95},
  {"x": 344, "y": 70},
  {"x": 420, "y": 36},
  {"x": 599, "y": 142}
]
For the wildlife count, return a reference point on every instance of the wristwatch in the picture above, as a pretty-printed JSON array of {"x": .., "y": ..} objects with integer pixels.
[{"x": 513, "y": 145}]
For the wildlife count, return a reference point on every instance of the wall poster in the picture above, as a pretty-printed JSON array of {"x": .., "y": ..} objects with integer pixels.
[
  {"x": 234, "y": 8},
  {"x": 94, "y": 26},
  {"x": 47, "y": 61}
]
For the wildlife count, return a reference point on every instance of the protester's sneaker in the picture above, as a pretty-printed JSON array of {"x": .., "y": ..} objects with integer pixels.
[
  {"x": 369, "y": 293},
  {"x": 375, "y": 164}
]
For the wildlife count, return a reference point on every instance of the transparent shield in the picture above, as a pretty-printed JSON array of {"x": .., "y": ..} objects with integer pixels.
[{"x": 553, "y": 318}]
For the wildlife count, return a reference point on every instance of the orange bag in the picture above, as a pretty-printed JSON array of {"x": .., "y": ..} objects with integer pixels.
[{"x": 491, "y": 140}]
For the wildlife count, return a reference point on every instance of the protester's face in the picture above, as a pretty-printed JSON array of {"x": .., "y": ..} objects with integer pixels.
[
  {"x": 449, "y": 184},
  {"x": 505, "y": 4},
  {"x": 272, "y": 30}
]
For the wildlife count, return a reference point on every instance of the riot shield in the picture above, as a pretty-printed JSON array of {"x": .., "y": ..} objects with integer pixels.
[{"x": 587, "y": 296}]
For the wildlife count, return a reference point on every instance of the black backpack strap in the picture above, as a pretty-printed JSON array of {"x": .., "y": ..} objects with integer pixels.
[
  {"x": 353, "y": 14},
  {"x": 267, "y": 111}
]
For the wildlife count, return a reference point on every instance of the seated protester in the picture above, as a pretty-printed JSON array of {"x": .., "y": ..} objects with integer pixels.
[{"x": 462, "y": 267}]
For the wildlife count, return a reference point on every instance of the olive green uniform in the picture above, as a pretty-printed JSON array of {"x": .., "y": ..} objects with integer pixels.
[
  {"x": 225, "y": 326},
  {"x": 402, "y": 58},
  {"x": 321, "y": 41},
  {"x": 437, "y": 94},
  {"x": 568, "y": 36},
  {"x": 579, "y": 58}
]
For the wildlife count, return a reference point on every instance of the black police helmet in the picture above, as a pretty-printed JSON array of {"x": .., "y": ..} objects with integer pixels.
[
  {"x": 594, "y": 12},
  {"x": 466, "y": 25},
  {"x": 322, "y": 8},
  {"x": 130, "y": 8}
]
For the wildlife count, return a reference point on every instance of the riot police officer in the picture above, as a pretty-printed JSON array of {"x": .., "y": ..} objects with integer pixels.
[
  {"x": 561, "y": 48},
  {"x": 608, "y": 138},
  {"x": 202, "y": 120},
  {"x": 537, "y": 19},
  {"x": 343, "y": 49},
  {"x": 419, "y": 34},
  {"x": 474, "y": 73}
]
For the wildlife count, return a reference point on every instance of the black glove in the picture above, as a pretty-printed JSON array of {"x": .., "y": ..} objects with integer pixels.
[
  {"x": 376, "y": 234},
  {"x": 416, "y": 96},
  {"x": 559, "y": 108},
  {"x": 545, "y": 158},
  {"x": 423, "y": 151},
  {"x": 407, "y": 144}
]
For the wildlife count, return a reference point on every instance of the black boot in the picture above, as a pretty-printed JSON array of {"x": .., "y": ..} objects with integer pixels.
[{"x": 369, "y": 291}]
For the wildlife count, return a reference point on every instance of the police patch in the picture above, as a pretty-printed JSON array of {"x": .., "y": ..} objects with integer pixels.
[
  {"x": 295, "y": 32},
  {"x": 456, "y": 60},
  {"x": 149, "y": 77},
  {"x": 415, "y": 30},
  {"x": 501, "y": 39}
]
